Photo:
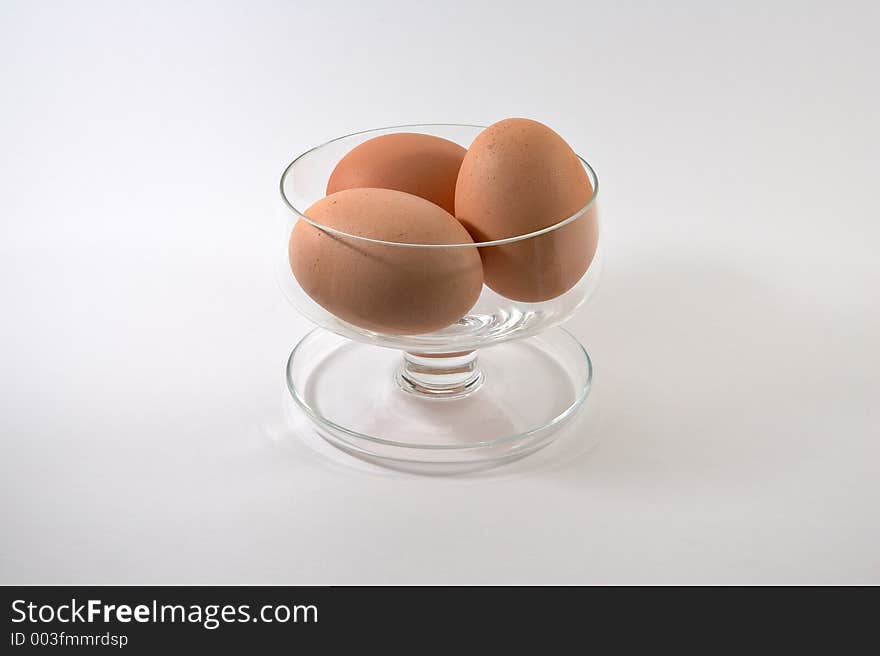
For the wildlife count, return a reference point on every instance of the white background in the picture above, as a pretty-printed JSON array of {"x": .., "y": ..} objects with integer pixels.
[{"x": 145, "y": 435}]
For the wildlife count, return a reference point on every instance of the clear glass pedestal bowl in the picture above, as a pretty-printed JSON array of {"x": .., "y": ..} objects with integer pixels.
[{"x": 492, "y": 387}]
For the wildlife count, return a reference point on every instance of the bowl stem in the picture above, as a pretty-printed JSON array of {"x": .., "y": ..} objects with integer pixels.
[{"x": 440, "y": 375}]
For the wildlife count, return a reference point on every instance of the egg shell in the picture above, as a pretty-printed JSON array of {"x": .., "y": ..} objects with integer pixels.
[
  {"x": 392, "y": 289},
  {"x": 517, "y": 177},
  {"x": 419, "y": 164}
]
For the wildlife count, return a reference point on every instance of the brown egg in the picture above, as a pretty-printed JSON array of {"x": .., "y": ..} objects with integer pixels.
[
  {"x": 520, "y": 176},
  {"x": 419, "y": 164},
  {"x": 392, "y": 289}
]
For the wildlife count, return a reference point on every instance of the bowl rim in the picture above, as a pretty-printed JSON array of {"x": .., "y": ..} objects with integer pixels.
[{"x": 300, "y": 214}]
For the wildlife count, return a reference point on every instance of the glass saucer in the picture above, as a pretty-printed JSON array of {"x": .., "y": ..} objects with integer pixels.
[{"x": 358, "y": 400}]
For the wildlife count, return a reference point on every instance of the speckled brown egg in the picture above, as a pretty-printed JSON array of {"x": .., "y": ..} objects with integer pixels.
[
  {"x": 419, "y": 164},
  {"x": 386, "y": 288},
  {"x": 517, "y": 177}
]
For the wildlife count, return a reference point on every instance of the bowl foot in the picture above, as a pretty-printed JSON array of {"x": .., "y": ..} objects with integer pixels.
[{"x": 455, "y": 412}]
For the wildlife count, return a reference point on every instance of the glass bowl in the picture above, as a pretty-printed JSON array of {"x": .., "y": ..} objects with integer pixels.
[{"x": 491, "y": 386}]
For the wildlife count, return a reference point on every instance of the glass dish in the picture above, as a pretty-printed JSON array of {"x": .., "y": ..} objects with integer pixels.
[{"x": 493, "y": 386}]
